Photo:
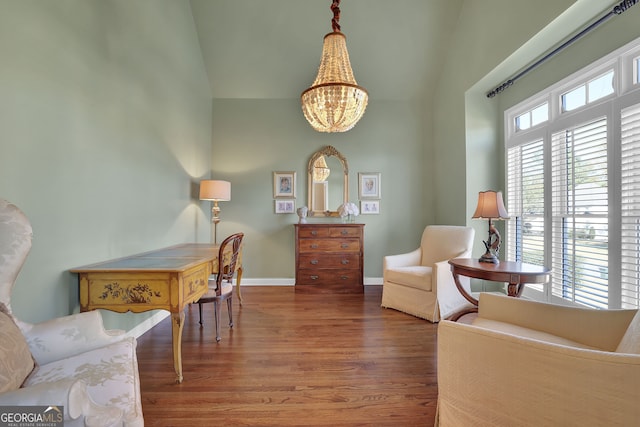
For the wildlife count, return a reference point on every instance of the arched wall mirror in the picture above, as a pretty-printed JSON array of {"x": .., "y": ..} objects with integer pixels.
[{"x": 328, "y": 182}]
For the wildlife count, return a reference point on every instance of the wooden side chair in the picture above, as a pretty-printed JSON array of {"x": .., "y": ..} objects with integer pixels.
[{"x": 221, "y": 288}]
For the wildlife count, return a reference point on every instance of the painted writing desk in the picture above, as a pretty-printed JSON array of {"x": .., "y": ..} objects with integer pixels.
[{"x": 166, "y": 279}]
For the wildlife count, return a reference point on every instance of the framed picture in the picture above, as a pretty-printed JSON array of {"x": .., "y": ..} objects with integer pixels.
[
  {"x": 370, "y": 207},
  {"x": 369, "y": 185},
  {"x": 284, "y": 206},
  {"x": 284, "y": 185}
]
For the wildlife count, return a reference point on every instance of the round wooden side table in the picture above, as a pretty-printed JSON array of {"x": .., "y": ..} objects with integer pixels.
[{"x": 515, "y": 274}]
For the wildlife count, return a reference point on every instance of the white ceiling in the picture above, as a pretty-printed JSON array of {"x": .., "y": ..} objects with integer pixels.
[{"x": 258, "y": 49}]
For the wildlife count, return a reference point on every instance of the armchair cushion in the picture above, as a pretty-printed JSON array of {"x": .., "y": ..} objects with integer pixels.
[
  {"x": 520, "y": 331},
  {"x": 16, "y": 362},
  {"x": 417, "y": 276},
  {"x": 109, "y": 372}
]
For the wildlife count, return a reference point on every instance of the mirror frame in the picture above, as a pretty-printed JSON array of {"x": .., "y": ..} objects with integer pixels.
[{"x": 328, "y": 151}]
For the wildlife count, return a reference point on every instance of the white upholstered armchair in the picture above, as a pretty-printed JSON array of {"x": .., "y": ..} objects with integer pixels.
[
  {"x": 70, "y": 361},
  {"x": 526, "y": 363},
  {"x": 420, "y": 282}
]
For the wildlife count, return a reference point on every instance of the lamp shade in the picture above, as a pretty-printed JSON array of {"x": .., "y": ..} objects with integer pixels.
[
  {"x": 490, "y": 205},
  {"x": 215, "y": 190}
]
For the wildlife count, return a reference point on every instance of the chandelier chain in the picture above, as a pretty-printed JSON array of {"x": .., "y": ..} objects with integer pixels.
[{"x": 336, "y": 15}]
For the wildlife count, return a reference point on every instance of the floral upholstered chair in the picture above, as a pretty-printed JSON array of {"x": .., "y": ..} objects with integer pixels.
[{"x": 71, "y": 361}]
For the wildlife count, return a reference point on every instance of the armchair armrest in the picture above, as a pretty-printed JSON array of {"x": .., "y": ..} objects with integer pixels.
[
  {"x": 493, "y": 378},
  {"x": 602, "y": 329},
  {"x": 402, "y": 260},
  {"x": 72, "y": 394},
  {"x": 450, "y": 300},
  {"x": 62, "y": 337}
]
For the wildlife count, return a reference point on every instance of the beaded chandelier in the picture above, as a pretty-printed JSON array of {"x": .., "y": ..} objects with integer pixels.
[
  {"x": 320, "y": 170},
  {"x": 335, "y": 102}
]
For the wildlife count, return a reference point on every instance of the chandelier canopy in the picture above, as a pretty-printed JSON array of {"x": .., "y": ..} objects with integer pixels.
[{"x": 335, "y": 102}]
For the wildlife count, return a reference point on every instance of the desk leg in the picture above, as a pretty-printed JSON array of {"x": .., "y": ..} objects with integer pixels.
[
  {"x": 177, "y": 323},
  {"x": 238, "y": 280}
]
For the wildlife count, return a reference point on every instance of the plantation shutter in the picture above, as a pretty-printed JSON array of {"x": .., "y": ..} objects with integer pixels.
[
  {"x": 630, "y": 192},
  {"x": 525, "y": 203},
  {"x": 579, "y": 193}
]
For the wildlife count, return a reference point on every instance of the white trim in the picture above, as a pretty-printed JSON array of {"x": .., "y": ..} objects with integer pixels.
[{"x": 146, "y": 325}]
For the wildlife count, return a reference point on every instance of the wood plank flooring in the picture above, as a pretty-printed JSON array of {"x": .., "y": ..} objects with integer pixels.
[{"x": 293, "y": 360}]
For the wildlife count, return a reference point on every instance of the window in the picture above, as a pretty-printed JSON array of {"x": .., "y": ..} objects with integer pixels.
[
  {"x": 535, "y": 116},
  {"x": 588, "y": 92},
  {"x": 630, "y": 206},
  {"x": 526, "y": 203},
  {"x": 573, "y": 185},
  {"x": 579, "y": 195}
]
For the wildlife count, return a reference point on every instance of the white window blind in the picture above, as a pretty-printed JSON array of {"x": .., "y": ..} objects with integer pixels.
[
  {"x": 573, "y": 185},
  {"x": 630, "y": 192},
  {"x": 579, "y": 192},
  {"x": 525, "y": 203}
]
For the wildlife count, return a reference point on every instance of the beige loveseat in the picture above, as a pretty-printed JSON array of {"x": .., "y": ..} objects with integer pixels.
[
  {"x": 71, "y": 361},
  {"x": 525, "y": 363}
]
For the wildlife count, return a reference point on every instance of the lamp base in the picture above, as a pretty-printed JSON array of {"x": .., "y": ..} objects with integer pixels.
[{"x": 489, "y": 257}]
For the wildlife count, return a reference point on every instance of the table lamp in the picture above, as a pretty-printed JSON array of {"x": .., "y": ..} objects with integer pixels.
[
  {"x": 215, "y": 191},
  {"x": 491, "y": 206}
]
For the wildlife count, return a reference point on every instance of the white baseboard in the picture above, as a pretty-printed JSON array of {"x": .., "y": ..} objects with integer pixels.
[
  {"x": 149, "y": 323},
  {"x": 372, "y": 281},
  {"x": 158, "y": 317}
]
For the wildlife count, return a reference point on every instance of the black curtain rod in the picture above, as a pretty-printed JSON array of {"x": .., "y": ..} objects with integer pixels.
[{"x": 618, "y": 9}]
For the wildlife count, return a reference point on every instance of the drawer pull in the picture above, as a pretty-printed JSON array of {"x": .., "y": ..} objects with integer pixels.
[
  {"x": 314, "y": 261},
  {"x": 345, "y": 261},
  {"x": 314, "y": 232},
  {"x": 344, "y": 232},
  {"x": 314, "y": 246},
  {"x": 314, "y": 277},
  {"x": 344, "y": 245},
  {"x": 344, "y": 277}
]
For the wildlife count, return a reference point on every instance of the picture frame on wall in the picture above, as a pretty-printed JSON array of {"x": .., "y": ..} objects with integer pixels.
[
  {"x": 369, "y": 185},
  {"x": 284, "y": 185},
  {"x": 369, "y": 207},
  {"x": 285, "y": 206}
]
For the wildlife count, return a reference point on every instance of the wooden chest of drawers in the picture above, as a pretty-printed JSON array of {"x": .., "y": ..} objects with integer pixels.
[{"x": 329, "y": 258}]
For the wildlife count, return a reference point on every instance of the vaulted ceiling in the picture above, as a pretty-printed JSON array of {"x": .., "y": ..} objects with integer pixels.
[{"x": 257, "y": 49}]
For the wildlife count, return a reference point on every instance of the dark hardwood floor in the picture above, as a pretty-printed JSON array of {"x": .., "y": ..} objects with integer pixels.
[{"x": 293, "y": 360}]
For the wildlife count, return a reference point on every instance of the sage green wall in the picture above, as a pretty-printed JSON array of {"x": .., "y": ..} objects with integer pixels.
[
  {"x": 252, "y": 138},
  {"x": 105, "y": 132},
  {"x": 108, "y": 126},
  {"x": 466, "y": 125}
]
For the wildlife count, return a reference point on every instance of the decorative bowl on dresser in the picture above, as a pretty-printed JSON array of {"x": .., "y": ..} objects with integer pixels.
[{"x": 329, "y": 258}]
